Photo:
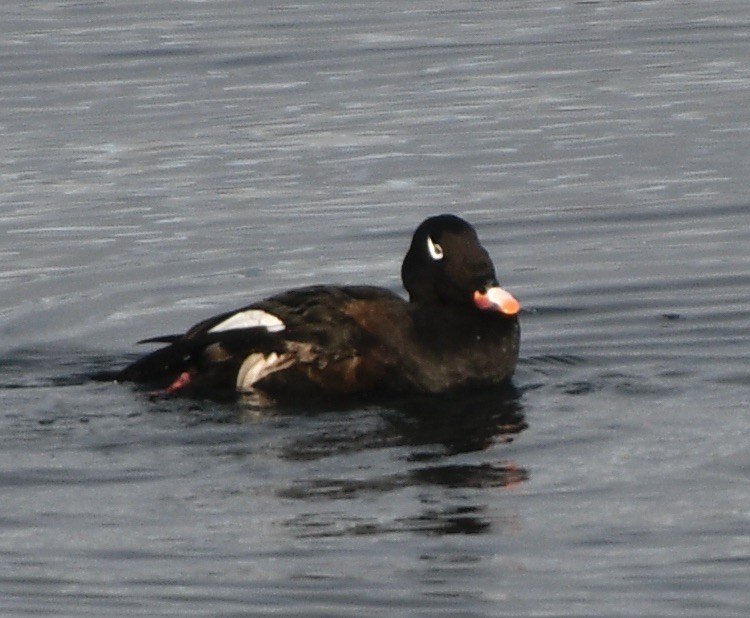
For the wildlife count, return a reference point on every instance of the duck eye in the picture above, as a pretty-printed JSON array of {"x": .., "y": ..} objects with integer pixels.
[{"x": 436, "y": 251}]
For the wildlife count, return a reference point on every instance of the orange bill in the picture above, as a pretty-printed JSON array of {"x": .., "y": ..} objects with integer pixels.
[{"x": 496, "y": 298}]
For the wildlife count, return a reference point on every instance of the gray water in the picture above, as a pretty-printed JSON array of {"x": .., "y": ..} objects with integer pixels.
[{"x": 162, "y": 162}]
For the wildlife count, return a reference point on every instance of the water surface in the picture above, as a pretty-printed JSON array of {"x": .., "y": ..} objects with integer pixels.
[{"x": 162, "y": 163}]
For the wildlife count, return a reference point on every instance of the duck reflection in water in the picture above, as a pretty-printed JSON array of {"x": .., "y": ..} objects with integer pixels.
[
  {"x": 461, "y": 422},
  {"x": 427, "y": 433}
]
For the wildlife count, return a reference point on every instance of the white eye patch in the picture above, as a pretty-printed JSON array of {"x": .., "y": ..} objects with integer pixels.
[
  {"x": 436, "y": 251},
  {"x": 252, "y": 318}
]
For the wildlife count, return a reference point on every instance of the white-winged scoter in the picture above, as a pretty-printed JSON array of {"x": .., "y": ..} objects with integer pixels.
[{"x": 458, "y": 329}]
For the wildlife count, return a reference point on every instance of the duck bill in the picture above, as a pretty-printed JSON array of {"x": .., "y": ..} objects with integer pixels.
[{"x": 497, "y": 299}]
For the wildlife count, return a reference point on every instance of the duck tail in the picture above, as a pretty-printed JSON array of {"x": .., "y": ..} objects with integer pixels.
[{"x": 162, "y": 364}]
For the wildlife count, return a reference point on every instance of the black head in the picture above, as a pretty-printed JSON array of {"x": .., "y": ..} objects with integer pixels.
[{"x": 446, "y": 264}]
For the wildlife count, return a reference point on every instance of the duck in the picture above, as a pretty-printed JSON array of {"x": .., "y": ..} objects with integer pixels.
[{"x": 457, "y": 330}]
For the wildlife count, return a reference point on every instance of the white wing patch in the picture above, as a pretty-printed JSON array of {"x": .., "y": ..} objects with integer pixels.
[
  {"x": 257, "y": 366},
  {"x": 252, "y": 318}
]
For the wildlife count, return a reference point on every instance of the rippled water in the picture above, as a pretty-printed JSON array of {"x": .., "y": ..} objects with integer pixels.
[{"x": 162, "y": 162}]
